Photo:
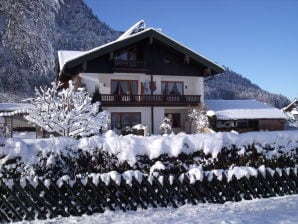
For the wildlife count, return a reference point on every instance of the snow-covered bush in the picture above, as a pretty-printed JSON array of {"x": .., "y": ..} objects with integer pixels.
[
  {"x": 68, "y": 112},
  {"x": 198, "y": 120},
  {"x": 2, "y": 132},
  {"x": 166, "y": 126},
  {"x": 55, "y": 157},
  {"x": 140, "y": 129}
]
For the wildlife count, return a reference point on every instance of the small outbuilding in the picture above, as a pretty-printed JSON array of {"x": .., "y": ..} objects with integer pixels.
[
  {"x": 12, "y": 118},
  {"x": 246, "y": 115}
]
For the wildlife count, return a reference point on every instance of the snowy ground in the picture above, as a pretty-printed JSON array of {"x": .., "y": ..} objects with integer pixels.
[
  {"x": 24, "y": 135},
  {"x": 273, "y": 210}
]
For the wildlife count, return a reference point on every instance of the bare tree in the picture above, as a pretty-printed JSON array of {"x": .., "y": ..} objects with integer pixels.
[
  {"x": 68, "y": 112},
  {"x": 198, "y": 120}
]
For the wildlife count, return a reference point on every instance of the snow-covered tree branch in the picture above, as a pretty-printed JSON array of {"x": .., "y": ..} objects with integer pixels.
[
  {"x": 166, "y": 126},
  {"x": 198, "y": 120},
  {"x": 68, "y": 112}
]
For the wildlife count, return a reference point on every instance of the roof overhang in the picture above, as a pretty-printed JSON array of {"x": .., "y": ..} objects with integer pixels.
[{"x": 211, "y": 67}]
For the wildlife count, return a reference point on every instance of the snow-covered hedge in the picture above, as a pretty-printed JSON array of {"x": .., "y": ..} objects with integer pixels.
[{"x": 55, "y": 157}]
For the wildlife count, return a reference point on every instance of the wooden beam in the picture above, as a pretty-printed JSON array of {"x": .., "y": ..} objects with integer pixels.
[
  {"x": 111, "y": 56},
  {"x": 151, "y": 40},
  {"x": 206, "y": 71},
  {"x": 186, "y": 59}
]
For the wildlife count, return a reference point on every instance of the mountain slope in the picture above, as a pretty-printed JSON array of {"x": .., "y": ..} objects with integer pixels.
[
  {"x": 233, "y": 86},
  {"x": 32, "y": 31}
]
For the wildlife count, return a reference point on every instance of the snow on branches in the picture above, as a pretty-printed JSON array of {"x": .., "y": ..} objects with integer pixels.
[
  {"x": 198, "y": 120},
  {"x": 68, "y": 112},
  {"x": 166, "y": 126}
]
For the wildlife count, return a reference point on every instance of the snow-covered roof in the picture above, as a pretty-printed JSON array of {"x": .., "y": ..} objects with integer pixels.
[
  {"x": 64, "y": 56},
  {"x": 243, "y": 109},
  {"x": 135, "y": 33},
  {"x": 291, "y": 106},
  {"x": 10, "y": 109},
  {"x": 14, "y": 106}
]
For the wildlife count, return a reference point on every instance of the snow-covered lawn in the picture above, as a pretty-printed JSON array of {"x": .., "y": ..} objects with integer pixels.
[{"x": 273, "y": 210}]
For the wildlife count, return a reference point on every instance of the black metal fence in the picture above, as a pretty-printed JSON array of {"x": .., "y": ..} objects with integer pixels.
[{"x": 24, "y": 200}]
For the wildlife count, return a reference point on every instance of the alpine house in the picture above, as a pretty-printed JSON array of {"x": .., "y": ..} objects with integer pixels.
[{"x": 142, "y": 76}]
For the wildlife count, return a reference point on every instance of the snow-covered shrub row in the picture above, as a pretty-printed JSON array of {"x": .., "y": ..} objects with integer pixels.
[{"x": 55, "y": 157}]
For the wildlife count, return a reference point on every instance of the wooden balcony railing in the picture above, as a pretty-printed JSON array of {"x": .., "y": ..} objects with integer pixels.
[{"x": 150, "y": 100}]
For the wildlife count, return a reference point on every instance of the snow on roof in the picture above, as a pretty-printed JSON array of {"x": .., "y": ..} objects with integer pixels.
[
  {"x": 10, "y": 109},
  {"x": 139, "y": 26},
  {"x": 64, "y": 56},
  {"x": 292, "y": 104},
  {"x": 294, "y": 111},
  {"x": 243, "y": 109},
  {"x": 14, "y": 106},
  {"x": 137, "y": 29}
]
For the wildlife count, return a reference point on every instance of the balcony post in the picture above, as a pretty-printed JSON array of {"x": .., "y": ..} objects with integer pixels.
[{"x": 152, "y": 109}]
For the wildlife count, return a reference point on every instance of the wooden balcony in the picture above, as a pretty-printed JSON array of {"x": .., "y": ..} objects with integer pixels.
[{"x": 149, "y": 100}]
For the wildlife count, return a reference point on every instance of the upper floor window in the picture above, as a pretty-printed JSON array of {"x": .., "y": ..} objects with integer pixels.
[
  {"x": 172, "y": 88},
  {"x": 124, "y": 87},
  {"x": 126, "y": 58}
]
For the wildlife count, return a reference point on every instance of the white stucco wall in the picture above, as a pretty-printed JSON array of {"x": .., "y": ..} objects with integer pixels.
[
  {"x": 159, "y": 113},
  {"x": 103, "y": 81},
  {"x": 192, "y": 85}
]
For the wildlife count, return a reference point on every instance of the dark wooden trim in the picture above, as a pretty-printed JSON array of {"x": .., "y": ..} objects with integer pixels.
[
  {"x": 150, "y": 33},
  {"x": 149, "y": 100}
]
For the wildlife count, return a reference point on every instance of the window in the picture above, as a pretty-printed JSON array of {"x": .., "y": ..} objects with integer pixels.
[
  {"x": 242, "y": 124},
  {"x": 175, "y": 119},
  {"x": 172, "y": 88},
  {"x": 123, "y": 119},
  {"x": 126, "y": 58},
  {"x": 124, "y": 87}
]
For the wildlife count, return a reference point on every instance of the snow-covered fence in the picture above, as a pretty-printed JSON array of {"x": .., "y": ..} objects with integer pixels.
[{"x": 41, "y": 199}]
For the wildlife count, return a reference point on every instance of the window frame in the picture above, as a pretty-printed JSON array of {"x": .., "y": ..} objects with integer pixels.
[
  {"x": 167, "y": 88},
  {"x": 172, "y": 119},
  {"x": 122, "y": 115},
  {"x": 130, "y": 60},
  {"x": 242, "y": 124},
  {"x": 129, "y": 85}
]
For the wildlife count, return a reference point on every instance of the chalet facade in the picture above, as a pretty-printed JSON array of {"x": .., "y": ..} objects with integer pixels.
[
  {"x": 246, "y": 115},
  {"x": 142, "y": 77}
]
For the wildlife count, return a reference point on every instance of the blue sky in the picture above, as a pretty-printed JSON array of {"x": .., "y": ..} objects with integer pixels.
[{"x": 256, "y": 38}]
